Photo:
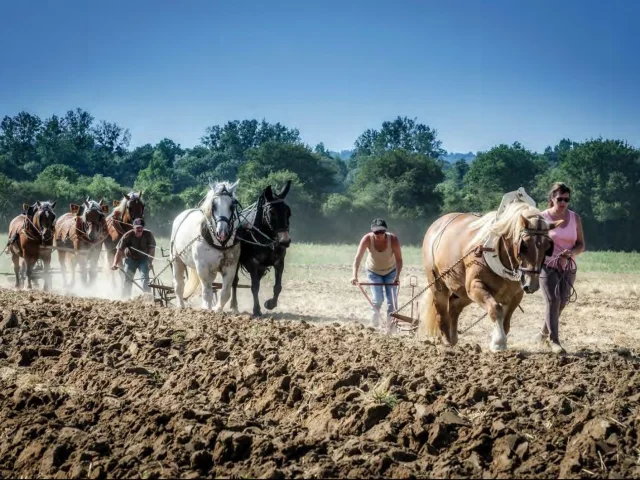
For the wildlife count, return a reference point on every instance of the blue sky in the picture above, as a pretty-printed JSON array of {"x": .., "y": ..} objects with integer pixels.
[{"x": 480, "y": 72}]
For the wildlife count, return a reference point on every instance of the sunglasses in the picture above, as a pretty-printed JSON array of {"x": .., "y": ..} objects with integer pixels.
[
  {"x": 379, "y": 233},
  {"x": 563, "y": 199}
]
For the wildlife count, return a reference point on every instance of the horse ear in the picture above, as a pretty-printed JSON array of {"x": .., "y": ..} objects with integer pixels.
[
  {"x": 73, "y": 208},
  {"x": 125, "y": 196},
  {"x": 25, "y": 206},
  {"x": 101, "y": 202},
  {"x": 140, "y": 194},
  {"x": 285, "y": 189},
  {"x": 104, "y": 208},
  {"x": 524, "y": 221},
  {"x": 116, "y": 203},
  {"x": 53, "y": 205},
  {"x": 268, "y": 193},
  {"x": 86, "y": 202},
  {"x": 234, "y": 187},
  {"x": 38, "y": 203},
  {"x": 555, "y": 224}
]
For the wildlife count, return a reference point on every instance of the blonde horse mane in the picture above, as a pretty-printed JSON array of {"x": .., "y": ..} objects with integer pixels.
[
  {"x": 122, "y": 208},
  {"x": 508, "y": 225}
]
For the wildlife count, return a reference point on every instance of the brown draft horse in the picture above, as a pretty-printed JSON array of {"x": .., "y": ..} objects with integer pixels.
[
  {"x": 31, "y": 238},
  {"x": 506, "y": 262},
  {"x": 79, "y": 235},
  {"x": 120, "y": 221}
]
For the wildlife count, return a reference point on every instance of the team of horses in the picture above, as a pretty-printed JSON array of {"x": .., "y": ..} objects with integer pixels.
[
  {"x": 491, "y": 260},
  {"x": 217, "y": 237}
]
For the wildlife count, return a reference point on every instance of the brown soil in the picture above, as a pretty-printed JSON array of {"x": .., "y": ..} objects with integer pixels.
[{"x": 110, "y": 389}]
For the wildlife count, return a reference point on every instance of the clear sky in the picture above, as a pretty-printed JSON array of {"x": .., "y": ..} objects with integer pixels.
[{"x": 481, "y": 72}]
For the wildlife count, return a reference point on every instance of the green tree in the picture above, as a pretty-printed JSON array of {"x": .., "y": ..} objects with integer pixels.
[
  {"x": 318, "y": 175},
  {"x": 156, "y": 181},
  {"x": 398, "y": 182},
  {"x": 18, "y": 142},
  {"x": 605, "y": 178},
  {"x": 56, "y": 172},
  {"x": 402, "y": 133},
  {"x": 236, "y": 137},
  {"x": 502, "y": 169}
]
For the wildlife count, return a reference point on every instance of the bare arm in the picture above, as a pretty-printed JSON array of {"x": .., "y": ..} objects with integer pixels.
[
  {"x": 117, "y": 259},
  {"x": 579, "y": 247},
  {"x": 356, "y": 262},
  {"x": 397, "y": 252}
]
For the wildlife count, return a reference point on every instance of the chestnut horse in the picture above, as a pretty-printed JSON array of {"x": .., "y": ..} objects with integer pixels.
[
  {"x": 120, "y": 222},
  {"x": 31, "y": 238},
  {"x": 80, "y": 235},
  {"x": 490, "y": 261}
]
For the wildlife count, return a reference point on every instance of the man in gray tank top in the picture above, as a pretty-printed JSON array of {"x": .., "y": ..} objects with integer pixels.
[{"x": 383, "y": 265}]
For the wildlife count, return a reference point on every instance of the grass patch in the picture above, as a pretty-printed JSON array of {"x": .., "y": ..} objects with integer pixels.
[
  {"x": 309, "y": 254},
  {"x": 385, "y": 398}
]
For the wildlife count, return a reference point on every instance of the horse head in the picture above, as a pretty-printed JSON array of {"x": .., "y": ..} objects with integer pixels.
[
  {"x": 276, "y": 213},
  {"x": 532, "y": 246},
  {"x": 220, "y": 206},
  {"x": 134, "y": 206},
  {"x": 92, "y": 217},
  {"x": 44, "y": 219}
]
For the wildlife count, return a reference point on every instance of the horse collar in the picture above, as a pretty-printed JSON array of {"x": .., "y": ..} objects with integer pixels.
[{"x": 491, "y": 256}]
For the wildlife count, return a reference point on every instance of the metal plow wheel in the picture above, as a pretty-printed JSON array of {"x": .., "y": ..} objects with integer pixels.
[{"x": 399, "y": 322}]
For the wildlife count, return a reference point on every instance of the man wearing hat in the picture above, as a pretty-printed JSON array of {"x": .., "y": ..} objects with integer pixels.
[
  {"x": 384, "y": 264},
  {"x": 138, "y": 246}
]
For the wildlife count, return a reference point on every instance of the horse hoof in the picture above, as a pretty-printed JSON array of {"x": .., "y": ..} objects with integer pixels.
[
  {"x": 498, "y": 347},
  {"x": 270, "y": 304},
  {"x": 257, "y": 314}
]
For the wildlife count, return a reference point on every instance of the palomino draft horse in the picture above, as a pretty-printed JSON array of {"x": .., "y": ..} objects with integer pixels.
[
  {"x": 120, "y": 221},
  {"x": 79, "y": 235},
  {"x": 203, "y": 240},
  {"x": 31, "y": 235},
  {"x": 265, "y": 238},
  {"x": 505, "y": 261}
]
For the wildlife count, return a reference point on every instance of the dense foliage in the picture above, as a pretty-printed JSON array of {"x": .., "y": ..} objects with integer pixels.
[{"x": 398, "y": 172}]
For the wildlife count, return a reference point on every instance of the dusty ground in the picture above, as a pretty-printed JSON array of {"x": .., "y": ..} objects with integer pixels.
[{"x": 112, "y": 389}]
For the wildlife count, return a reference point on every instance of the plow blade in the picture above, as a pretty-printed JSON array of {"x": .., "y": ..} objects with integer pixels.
[{"x": 403, "y": 318}]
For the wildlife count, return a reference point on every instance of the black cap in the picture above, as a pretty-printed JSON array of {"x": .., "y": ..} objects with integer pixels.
[
  {"x": 378, "y": 225},
  {"x": 138, "y": 222}
]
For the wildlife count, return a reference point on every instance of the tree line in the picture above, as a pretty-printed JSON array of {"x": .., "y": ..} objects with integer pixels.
[{"x": 397, "y": 172}]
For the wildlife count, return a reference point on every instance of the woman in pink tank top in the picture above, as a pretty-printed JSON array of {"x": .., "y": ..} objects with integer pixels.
[{"x": 559, "y": 269}]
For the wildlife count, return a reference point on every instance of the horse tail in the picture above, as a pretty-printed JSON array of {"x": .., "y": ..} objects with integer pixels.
[
  {"x": 192, "y": 287},
  {"x": 428, "y": 326}
]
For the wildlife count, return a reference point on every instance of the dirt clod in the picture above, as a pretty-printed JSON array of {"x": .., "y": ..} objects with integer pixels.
[{"x": 99, "y": 389}]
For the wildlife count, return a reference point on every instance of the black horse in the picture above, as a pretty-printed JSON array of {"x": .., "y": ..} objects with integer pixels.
[{"x": 265, "y": 239}]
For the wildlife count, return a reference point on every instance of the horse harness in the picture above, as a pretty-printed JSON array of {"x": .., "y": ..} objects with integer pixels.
[
  {"x": 488, "y": 251},
  {"x": 117, "y": 222},
  {"x": 43, "y": 238},
  {"x": 80, "y": 226},
  {"x": 263, "y": 220},
  {"x": 208, "y": 230}
]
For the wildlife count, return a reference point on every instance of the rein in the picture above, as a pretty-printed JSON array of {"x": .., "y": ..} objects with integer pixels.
[
  {"x": 84, "y": 232},
  {"x": 519, "y": 270},
  {"x": 564, "y": 274},
  {"x": 271, "y": 242}
]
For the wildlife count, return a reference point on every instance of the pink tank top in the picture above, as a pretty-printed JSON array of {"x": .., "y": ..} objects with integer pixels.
[{"x": 565, "y": 236}]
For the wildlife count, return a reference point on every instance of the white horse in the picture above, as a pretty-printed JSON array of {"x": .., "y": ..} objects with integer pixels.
[{"x": 203, "y": 240}]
